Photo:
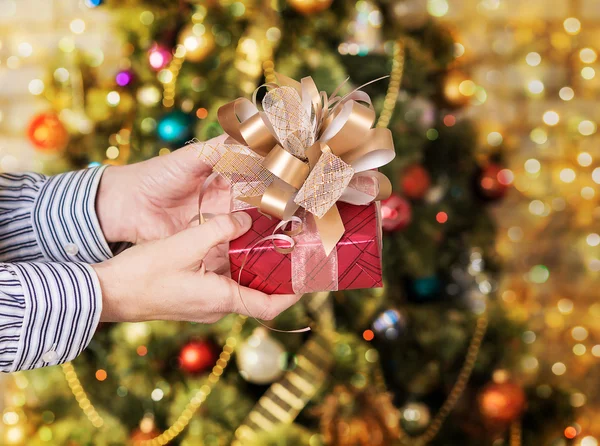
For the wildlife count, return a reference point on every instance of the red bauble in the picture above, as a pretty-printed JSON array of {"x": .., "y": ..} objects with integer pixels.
[
  {"x": 138, "y": 437},
  {"x": 415, "y": 182},
  {"x": 197, "y": 356},
  {"x": 501, "y": 403},
  {"x": 396, "y": 213},
  {"x": 493, "y": 182},
  {"x": 47, "y": 133}
]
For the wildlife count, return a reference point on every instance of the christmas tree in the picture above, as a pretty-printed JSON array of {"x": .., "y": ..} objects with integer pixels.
[{"x": 427, "y": 359}]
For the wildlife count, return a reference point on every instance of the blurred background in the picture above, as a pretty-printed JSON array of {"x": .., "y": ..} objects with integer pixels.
[{"x": 487, "y": 331}]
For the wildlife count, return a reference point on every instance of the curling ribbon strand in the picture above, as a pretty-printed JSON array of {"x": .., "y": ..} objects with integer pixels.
[{"x": 286, "y": 237}]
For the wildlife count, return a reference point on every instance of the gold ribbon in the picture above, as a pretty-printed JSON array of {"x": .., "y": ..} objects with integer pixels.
[{"x": 310, "y": 151}]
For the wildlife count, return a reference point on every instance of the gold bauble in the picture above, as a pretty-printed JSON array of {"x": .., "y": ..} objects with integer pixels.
[
  {"x": 96, "y": 106},
  {"x": 309, "y": 7},
  {"x": 198, "y": 41},
  {"x": 452, "y": 91}
]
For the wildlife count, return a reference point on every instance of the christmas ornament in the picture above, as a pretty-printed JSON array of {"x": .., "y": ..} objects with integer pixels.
[
  {"x": 309, "y": 7},
  {"x": 415, "y": 418},
  {"x": 424, "y": 289},
  {"x": 366, "y": 417},
  {"x": 93, "y": 3},
  {"x": 410, "y": 14},
  {"x": 286, "y": 398},
  {"x": 396, "y": 213},
  {"x": 124, "y": 78},
  {"x": 502, "y": 403},
  {"x": 415, "y": 181},
  {"x": 146, "y": 431},
  {"x": 96, "y": 105},
  {"x": 198, "y": 42},
  {"x": 390, "y": 324},
  {"x": 138, "y": 437},
  {"x": 261, "y": 358},
  {"x": 452, "y": 88},
  {"x": 47, "y": 133},
  {"x": 491, "y": 182},
  {"x": 197, "y": 356},
  {"x": 175, "y": 127},
  {"x": 159, "y": 57}
]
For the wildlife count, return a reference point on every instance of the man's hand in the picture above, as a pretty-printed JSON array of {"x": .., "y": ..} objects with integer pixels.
[
  {"x": 156, "y": 198},
  {"x": 165, "y": 279}
]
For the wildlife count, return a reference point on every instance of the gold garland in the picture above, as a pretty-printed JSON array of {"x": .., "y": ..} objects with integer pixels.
[
  {"x": 457, "y": 390},
  {"x": 192, "y": 406},
  {"x": 174, "y": 68},
  {"x": 391, "y": 97},
  {"x": 515, "y": 433}
]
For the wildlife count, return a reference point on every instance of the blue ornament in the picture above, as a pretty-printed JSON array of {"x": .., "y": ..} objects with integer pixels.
[
  {"x": 93, "y": 3},
  {"x": 426, "y": 288},
  {"x": 390, "y": 324},
  {"x": 175, "y": 127}
]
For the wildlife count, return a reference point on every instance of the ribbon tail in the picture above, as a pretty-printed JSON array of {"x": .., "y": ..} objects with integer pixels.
[{"x": 331, "y": 228}]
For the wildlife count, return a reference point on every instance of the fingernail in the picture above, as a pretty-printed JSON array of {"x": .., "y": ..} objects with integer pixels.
[{"x": 244, "y": 220}]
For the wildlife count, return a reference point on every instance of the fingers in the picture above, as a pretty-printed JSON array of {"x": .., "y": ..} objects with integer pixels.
[
  {"x": 194, "y": 243},
  {"x": 242, "y": 300},
  {"x": 190, "y": 154}
]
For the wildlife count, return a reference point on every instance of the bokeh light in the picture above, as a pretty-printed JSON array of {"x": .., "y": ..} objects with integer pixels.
[
  {"x": 551, "y": 117},
  {"x": 572, "y": 25},
  {"x": 566, "y": 93},
  {"x": 584, "y": 159},
  {"x": 588, "y": 55},
  {"x": 533, "y": 59}
]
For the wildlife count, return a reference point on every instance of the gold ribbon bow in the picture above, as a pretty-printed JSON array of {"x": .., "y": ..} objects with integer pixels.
[{"x": 304, "y": 150}]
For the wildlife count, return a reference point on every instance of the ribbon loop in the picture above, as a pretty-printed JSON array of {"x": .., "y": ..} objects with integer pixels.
[
  {"x": 286, "y": 167},
  {"x": 349, "y": 128},
  {"x": 305, "y": 149}
]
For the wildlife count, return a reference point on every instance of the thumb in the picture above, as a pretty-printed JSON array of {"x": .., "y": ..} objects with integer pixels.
[{"x": 194, "y": 243}]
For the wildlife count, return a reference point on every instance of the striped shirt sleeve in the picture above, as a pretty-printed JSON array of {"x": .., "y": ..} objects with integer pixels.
[
  {"x": 52, "y": 219},
  {"x": 18, "y": 194},
  {"x": 48, "y": 313},
  {"x": 64, "y": 218}
]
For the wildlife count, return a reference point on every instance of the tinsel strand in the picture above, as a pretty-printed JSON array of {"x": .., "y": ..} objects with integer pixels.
[
  {"x": 457, "y": 390},
  {"x": 192, "y": 406},
  {"x": 515, "y": 433},
  {"x": 391, "y": 97}
]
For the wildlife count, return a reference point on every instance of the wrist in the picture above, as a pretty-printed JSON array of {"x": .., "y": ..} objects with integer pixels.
[
  {"x": 114, "y": 303},
  {"x": 112, "y": 208}
]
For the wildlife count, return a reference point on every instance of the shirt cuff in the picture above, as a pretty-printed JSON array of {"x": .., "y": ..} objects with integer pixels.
[
  {"x": 12, "y": 311},
  {"x": 64, "y": 218},
  {"x": 62, "y": 306}
]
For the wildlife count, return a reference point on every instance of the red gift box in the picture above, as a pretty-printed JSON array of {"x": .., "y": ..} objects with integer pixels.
[{"x": 358, "y": 253}]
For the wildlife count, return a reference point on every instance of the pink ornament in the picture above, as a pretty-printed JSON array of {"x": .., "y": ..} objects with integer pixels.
[
  {"x": 124, "y": 78},
  {"x": 159, "y": 57},
  {"x": 396, "y": 213}
]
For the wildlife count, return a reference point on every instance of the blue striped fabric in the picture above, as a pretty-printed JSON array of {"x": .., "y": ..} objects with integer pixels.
[
  {"x": 65, "y": 214},
  {"x": 62, "y": 310},
  {"x": 49, "y": 310},
  {"x": 17, "y": 196}
]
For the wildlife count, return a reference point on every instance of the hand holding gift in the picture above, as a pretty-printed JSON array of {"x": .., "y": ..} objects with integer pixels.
[
  {"x": 294, "y": 161},
  {"x": 168, "y": 279}
]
